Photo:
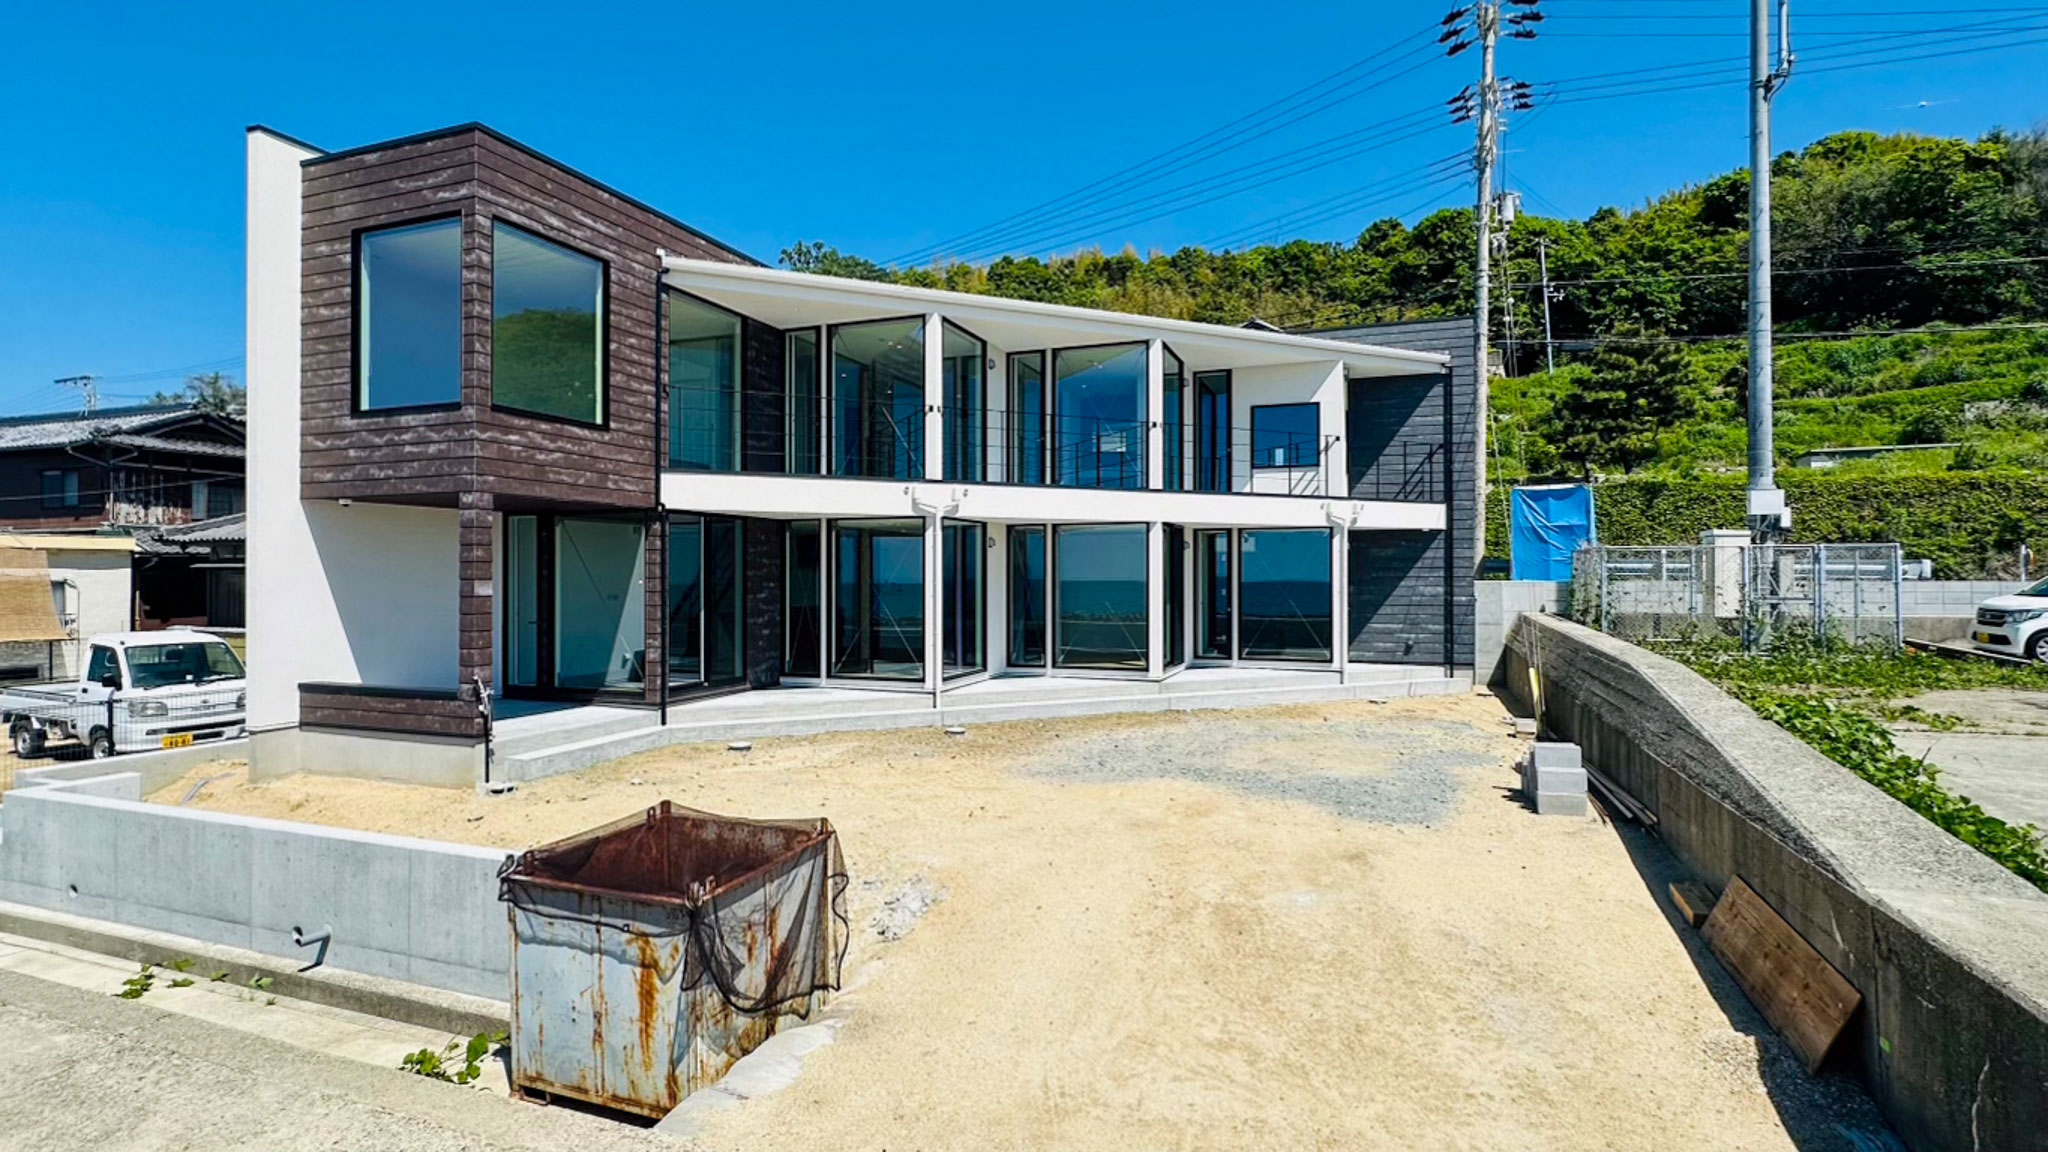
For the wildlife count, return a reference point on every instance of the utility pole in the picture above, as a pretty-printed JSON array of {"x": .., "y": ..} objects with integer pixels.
[
  {"x": 1768, "y": 515},
  {"x": 89, "y": 385},
  {"x": 1543, "y": 269},
  {"x": 1484, "y": 106}
]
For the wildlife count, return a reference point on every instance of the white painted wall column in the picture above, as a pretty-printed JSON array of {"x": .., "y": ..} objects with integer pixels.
[
  {"x": 1155, "y": 430},
  {"x": 934, "y": 603},
  {"x": 1155, "y": 592},
  {"x": 934, "y": 396},
  {"x": 1340, "y": 598},
  {"x": 996, "y": 605}
]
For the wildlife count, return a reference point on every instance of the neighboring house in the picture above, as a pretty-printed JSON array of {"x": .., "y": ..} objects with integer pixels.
[
  {"x": 57, "y": 591},
  {"x": 121, "y": 467},
  {"x": 190, "y": 575},
  {"x": 513, "y": 431}
]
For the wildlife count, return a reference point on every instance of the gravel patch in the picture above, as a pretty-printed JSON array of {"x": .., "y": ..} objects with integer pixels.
[{"x": 1405, "y": 773}]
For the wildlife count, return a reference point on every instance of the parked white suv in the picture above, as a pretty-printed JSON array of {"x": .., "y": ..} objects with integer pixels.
[{"x": 2015, "y": 625}]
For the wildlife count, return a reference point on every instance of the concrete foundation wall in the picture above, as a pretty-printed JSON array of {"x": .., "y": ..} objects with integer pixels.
[
  {"x": 406, "y": 758},
  {"x": 412, "y": 910},
  {"x": 1949, "y": 950}
]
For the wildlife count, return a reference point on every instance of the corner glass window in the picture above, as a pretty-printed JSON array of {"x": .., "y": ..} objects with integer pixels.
[
  {"x": 1099, "y": 416},
  {"x": 703, "y": 386},
  {"x": 1101, "y": 613},
  {"x": 1026, "y": 418},
  {"x": 961, "y": 388},
  {"x": 1285, "y": 435},
  {"x": 409, "y": 316},
  {"x": 1173, "y": 420},
  {"x": 802, "y": 401},
  {"x": 547, "y": 328},
  {"x": 1284, "y": 594},
  {"x": 878, "y": 599},
  {"x": 878, "y": 399}
]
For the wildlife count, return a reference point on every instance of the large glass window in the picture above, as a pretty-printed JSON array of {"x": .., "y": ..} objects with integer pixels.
[
  {"x": 409, "y": 316},
  {"x": 1027, "y": 418},
  {"x": 1284, "y": 594},
  {"x": 803, "y": 400},
  {"x": 1099, "y": 415},
  {"x": 547, "y": 327},
  {"x": 1212, "y": 595},
  {"x": 1212, "y": 431},
  {"x": 965, "y": 596},
  {"x": 600, "y": 603},
  {"x": 878, "y": 599},
  {"x": 703, "y": 385},
  {"x": 803, "y": 622},
  {"x": 878, "y": 399},
  {"x": 1176, "y": 595},
  {"x": 1173, "y": 421},
  {"x": 1101, "y": 612},
  {"x": 706, "y": 638},
  {"x": 522, "y": 601},
  {"x": 685, "y": 600},
  {"x": 1285, "y": 435},
  {"x": 962, "y": 382},
  {"x": 1027, "y": 596}
]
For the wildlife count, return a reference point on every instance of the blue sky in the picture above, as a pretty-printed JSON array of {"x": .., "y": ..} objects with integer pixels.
[{"x": 878, "y": 128}]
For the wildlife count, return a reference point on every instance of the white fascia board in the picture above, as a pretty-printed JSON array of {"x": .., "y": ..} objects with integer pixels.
[
  {"x": 813, "y": 497},
  {"x": 813, "y": 299}
]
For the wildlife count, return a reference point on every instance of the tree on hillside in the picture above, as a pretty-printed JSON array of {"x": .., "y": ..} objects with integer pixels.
[
  {"x": 1635, "y": 390},
  {"x": 214, "y": 392}
]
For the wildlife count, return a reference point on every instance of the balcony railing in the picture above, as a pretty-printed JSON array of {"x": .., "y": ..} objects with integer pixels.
[{"x": 1404, "y": 472}]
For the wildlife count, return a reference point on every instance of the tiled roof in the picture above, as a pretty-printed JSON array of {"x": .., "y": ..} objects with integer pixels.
[
  {"x": 64, "y": 429},
  {"x": 193, "y": 538},
  {"x": 177, "y": 444}
]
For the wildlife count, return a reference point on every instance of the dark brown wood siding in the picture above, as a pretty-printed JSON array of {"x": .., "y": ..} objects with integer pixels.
[{"x": 424, "y": 714}]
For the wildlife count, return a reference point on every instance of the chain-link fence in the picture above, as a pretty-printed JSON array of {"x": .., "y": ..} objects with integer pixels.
[
  {"x": 1759, "y": 594},
  {"x": 51, "y": 722}
]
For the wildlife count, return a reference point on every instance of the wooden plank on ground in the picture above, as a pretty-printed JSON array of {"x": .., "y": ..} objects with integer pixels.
[
  {"x": 1693, "y": 899},
  {"x": 1796, "y": 989}
]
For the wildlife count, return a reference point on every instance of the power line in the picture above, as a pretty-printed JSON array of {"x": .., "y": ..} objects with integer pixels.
[{"x": 1352, "y": 199}]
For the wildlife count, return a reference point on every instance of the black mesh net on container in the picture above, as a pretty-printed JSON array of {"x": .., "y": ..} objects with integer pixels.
[{"x": 762, "y": 901}]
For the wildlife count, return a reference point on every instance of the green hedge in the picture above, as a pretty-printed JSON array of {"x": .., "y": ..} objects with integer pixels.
[{"x": 1963, "y": 521}]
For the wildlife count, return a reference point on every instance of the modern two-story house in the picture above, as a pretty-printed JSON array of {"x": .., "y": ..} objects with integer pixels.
[{"x": 516, "y": 436}]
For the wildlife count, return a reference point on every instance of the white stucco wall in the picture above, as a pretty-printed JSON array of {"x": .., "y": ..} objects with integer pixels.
[{"x": 1316, "y": 383}]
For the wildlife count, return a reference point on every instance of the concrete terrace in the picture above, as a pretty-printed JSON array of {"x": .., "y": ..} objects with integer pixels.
[{"x": 532, "y": 741}]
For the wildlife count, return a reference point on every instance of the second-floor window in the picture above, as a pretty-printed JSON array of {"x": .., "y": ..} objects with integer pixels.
[
  {"x": 703, "y": 385},
  {"x": 409, "y": 316},
  {"x": 547, "y": 328},
  {"x": 1285, "y": 435},
  {"x": 60, "y": 488}
]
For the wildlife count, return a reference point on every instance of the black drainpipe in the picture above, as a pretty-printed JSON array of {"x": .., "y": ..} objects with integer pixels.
[{"x": 661, "y": 443}]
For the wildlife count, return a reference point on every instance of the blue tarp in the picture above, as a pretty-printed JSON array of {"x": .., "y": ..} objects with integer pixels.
[{"x": 1546, "y": 525}]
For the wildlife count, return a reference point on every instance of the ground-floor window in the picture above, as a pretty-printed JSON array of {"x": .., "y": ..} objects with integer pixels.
[
  {"x": 600, "y": 603},
  {"x": 1175, "y": 543},
  {"x": 1101, "y": 596},
  {"x": 706, "y": 620},
  {"x": 966, "y": 596},
  {"x": 803, "y": 615},
  {"x": 1284, "y": 594},
  {"x": 878, "y": 599},
  {"x": 1027, "y": 596},
  {"x": 1214, "y": 637}
]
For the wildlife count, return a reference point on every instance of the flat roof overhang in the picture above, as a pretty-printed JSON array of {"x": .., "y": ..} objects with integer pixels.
[
  {"x": 813, "y": 498},
  {"x": 801, "y": 299}
]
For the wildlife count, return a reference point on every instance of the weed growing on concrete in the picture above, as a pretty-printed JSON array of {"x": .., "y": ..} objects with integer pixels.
[
  {"x": 135, "y": 986},
  {"x": 182, "y": 982},
  {"x": 1837, "y": 699},
  {"x": 442, "y": 1065},
  {"x": 219, "y": 976}
]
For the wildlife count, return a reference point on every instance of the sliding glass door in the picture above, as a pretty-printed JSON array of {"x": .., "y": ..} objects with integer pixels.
[
  {"x": 1027, "y": 596},
  {"x": 706, "y": 624},
  {"x": 878, "y": 599},
  {"x": 803, "y": 617},
  {"x": 1101, "y": 610},
  {"x": 600, "y": 603},
  {"x": 964, "y": 597},
  {"x": 1214, "y": 638}
]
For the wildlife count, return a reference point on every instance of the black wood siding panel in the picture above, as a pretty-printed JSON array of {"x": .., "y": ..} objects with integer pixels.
[
  {"x": 762, "y": 567},
  {"x": 1397, "y": 598}
]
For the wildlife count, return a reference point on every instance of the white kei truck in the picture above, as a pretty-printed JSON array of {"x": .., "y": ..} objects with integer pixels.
[{"x": 137, "y": 692}]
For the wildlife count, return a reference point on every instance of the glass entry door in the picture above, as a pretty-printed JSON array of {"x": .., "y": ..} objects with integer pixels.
[
  {"x": 706, "y": 628},
  {"x": 600, "y": 603},
  {"x": 878, "y": 599}
]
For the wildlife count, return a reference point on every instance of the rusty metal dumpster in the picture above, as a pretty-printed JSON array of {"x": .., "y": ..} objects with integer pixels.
[{"x": 650, "y": 954}]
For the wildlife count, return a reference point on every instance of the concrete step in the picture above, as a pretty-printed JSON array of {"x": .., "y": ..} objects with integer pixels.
[{"x": 516, "y": 735}]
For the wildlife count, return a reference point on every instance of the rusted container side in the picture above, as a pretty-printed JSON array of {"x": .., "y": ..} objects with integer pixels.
[{"x": 649, "y": 956}]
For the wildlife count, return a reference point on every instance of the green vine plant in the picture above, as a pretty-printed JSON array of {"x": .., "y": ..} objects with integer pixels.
[
  {"x": 443, "y": 1065},
  {"x": 1836, "y": 699}
]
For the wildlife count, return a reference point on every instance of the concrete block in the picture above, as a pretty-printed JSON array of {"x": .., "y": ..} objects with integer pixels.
[
  {"x": 1555, "y": 754},
  {"x": 1557, "y": 780},
  {"x": 1560, "y": 803}
]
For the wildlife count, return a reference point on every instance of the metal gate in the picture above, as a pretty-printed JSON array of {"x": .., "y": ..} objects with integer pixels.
[{"x": 1760, "y": 594}]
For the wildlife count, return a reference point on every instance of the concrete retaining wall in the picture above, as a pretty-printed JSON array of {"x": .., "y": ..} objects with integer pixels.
[
  {"x": 413, "y": 910},
  {"x": 156, "y": 769},
  {"x": 1497, "y": 605},
  {"x": 1949, "y": 950}
]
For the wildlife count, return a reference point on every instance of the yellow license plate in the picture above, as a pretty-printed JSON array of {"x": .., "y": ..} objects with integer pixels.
[
  {"x": 1981, "y": 637},
  {"x": 182, "y": 740}
]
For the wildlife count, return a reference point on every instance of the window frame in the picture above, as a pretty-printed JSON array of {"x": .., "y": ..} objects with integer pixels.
[
  {"x": 356, "y": 407},
  {"x": 821, "y": 414},
  {"x": 1014, "y": 438},
  {"x": 1218, "y": 457},
  {"x": 828, "y": 357},
  {"x": 1252, "y": 435},
  {"x": 1054, "y": 537},
  {"x": 976, "y": 468},
  {"x": 604, "y": 329},
  {"x": 69, "y": 492},
  {"x": 1054, "y": 415}
]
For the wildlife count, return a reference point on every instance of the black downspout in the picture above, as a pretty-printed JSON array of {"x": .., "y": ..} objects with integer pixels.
[
  {"x": 1452, "y": 575},
  {"x": 660, "y": 443}
]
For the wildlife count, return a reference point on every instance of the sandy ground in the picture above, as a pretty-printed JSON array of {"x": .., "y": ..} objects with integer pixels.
[{"x": 1327, "y": 926}]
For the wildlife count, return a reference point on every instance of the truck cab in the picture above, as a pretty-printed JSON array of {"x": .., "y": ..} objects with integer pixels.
[
  {"x": 136, "y": 691},
  {"x": 2016, "y": 624}
]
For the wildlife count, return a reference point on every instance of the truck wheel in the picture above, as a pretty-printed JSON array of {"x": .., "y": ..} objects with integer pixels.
[
  {"x": 2038, "y": 646},
  {"x": 101, "y": 744},
  {"x": 28, "y": 741}
]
